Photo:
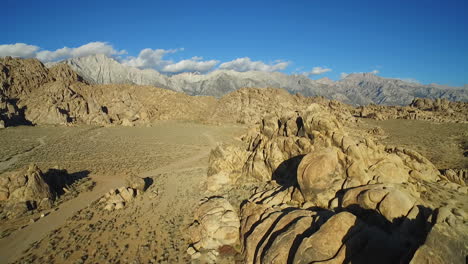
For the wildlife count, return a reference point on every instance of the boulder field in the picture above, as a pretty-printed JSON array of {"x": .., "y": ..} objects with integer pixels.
[{"x": 333, "y": 196}]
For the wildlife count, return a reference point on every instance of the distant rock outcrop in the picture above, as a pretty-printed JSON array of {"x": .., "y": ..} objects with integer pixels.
[{"x": 437, "y": 110}]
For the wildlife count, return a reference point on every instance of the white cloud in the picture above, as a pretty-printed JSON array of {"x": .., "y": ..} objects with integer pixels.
[
  {"x": 375, "y": 71},
  {"x": 154, "y": 59},
  {"x": 195, "y": 64},
  {"x": 81, "y": 51},
  {"x": 343, "y": 75},
  {"x": 31, "y": 51},
  {"x": 317, "y": 71},
  {"x": 146, "y": 59},
  {"x": 245, "y": 64},
  {"x": 149, "y": 58},
  {"x": 18, "y": 50}
]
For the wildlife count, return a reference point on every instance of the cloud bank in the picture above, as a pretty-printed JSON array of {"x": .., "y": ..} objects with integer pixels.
[
  {"x": 246, "y": 64},
  {"x": 195, "y": 64},
  {"x": 81, "y": 51},
  {"x": 146, "y": 59},
  {"x": 149, "y": 58},
  {"x": 30, "y": 51},
  {"x": 18, "y": 50},
  {"x": 157, "y": 59}
]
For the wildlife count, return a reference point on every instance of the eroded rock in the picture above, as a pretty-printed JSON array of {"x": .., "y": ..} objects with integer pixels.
[{"x": 216, "y": 224}]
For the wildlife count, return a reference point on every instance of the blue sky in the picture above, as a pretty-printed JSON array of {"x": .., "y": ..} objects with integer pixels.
[{"x": 422, "y": 40}]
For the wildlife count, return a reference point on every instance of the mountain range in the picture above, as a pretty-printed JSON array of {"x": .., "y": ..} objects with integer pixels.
[{"x": 356, "y": 88}]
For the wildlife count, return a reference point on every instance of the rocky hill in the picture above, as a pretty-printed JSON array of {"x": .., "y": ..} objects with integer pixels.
[
  {"x": 34, "y": 94},
  {"x": 357, "y": 89},
  {"x": 324, "y": 193}
]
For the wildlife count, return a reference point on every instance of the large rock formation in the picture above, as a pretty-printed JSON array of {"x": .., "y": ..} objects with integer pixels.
[
  {"x": 25, "y": 185},
  {"x": 29, "y": 188},
  {"x": 376, "y": 223},
  {"x": 339, "y": 197},
  {"x": 23, "y": 190}
]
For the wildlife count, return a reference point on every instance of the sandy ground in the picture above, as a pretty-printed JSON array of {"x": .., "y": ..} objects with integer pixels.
[
  {"x": 444, "y": 144},
  {"x": 148, "y": 230}
]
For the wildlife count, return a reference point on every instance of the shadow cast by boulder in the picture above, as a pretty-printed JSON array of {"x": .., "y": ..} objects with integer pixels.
[
  {"x": 374, "y": 239},
  {"x": 347, "y": 235},
  {"x": 148, "y": 182},
  {"x": 286, "y": 173},
  {"x": 18, "y": 118},
  {"x": 58, "y": 179}
]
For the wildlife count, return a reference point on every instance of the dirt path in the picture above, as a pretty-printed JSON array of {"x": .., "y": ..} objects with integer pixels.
[
  {"x": 177, "y": 195},
  {"x": 12, "y": 246}
]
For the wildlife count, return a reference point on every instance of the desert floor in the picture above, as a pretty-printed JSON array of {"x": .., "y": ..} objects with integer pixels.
[
  {"x": 174, "y": 155},
  {"x": 444, "y": 144},
  {"x": 150, "y": 229}
]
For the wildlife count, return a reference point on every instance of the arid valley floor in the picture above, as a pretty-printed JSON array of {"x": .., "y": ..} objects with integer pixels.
[{"x": 174, "y": 155}]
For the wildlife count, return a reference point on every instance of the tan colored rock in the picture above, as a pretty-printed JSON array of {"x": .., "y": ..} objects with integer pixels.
[
  {"x": 388, "y": 200},
  {"x": 135, "y": 182},
  {"x": 279, "y": 250},
  {"x": 109, "y": 207},
  {"x": 317, "y": 172},
  {"x": 396, "y": 204},
  {"x": 225, "y": 167},
  {"x": 216, "y": 224},
  {"x": 28, "y": 185},
  {"x": 327, "y": 241},
  {"x": 119, "y": 205},
  {"x": 4, "y": 194},
  {"x": 127, "y": 194}
]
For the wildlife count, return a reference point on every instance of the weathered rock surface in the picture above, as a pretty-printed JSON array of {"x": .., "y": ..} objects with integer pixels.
[
  {"x": 135, "y": 182},
  {"x": 216, "y": 225},
  {"x": 337, "y": 196},
  {"x": 116, "y": 199},
  {"x": 374, "y": 223},
  {"x": 29, "y": 189},
  {"x": 25, "y": 185},
  {"x": 316, "y": 146},
  {"x": 458, "y": 176}
]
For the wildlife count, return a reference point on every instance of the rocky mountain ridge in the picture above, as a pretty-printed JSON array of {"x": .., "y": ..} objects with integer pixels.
[
  {"x": 357, "y": 88},
  {"x": 34, "y": 94}
]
